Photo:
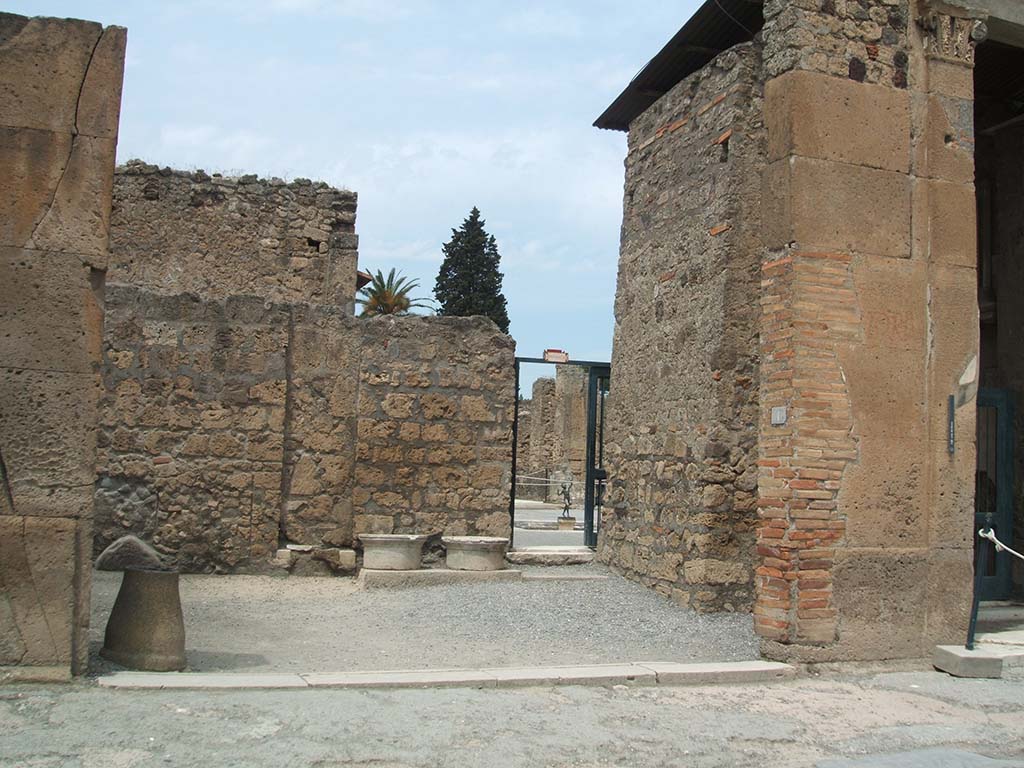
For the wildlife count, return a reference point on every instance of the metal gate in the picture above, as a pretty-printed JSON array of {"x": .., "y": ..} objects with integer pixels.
[
  {"x": 596, "y": 476},
  {"x": 993, "y": 492}
]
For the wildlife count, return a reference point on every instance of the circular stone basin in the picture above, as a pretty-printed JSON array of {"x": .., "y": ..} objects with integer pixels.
[
  {"x": 475, "y": 553},
  {"x": 392, "y": 551}
]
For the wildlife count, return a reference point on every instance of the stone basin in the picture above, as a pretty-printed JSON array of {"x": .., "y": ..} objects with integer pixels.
[
  {"x": 475, "y": 553},
  {"x": 392, "y": 551}
]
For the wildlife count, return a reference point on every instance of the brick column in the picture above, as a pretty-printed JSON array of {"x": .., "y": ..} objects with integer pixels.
[{"x": 869, "y": 323}]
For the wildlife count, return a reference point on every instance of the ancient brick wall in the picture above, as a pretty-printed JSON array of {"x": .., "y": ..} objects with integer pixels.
[
  {"x": 60, "y": 96},
  {"x": 870, "y": 324},
  {"x": 864, "y": 41},
  {"x": 537, "y": 463},
  {"x": 569, "y": 433},
  {"x": 555, "y": 422},
  {"x": 231, "y": 427},
  {"x": 192, "y": 426},
  {"x": 434, "y": 449},
  {"x": 681, "y": 441},
  {"x": 178, "y": 232}
]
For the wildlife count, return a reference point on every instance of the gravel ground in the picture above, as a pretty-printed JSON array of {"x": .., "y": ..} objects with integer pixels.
[
  {"x": 295, "y": 624},
  {"x": 841, "y": 722}
]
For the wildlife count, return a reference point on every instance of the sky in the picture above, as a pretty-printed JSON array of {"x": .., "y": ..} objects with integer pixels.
[{"x": 424, "y": 108}]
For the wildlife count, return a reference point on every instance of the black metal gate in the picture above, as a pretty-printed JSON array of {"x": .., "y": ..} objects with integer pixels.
[
  {"x": 993, "y": 492},
  {"x": 596, "y": 476}
]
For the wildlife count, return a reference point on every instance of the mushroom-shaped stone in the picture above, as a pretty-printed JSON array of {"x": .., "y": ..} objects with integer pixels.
[
  {"x": 392, "y": 551},
  {"x": 475, "y": 553},
  {"x": 130, "y": 553},
  {"x": 145, "y": 629}
]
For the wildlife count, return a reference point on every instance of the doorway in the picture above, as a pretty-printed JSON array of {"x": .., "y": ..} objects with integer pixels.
[
  {"x": 999, "y": 164},
  {"x": 558, "y": 454}
]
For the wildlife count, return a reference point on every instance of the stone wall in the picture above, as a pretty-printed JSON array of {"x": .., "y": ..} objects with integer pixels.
[
  {"x": 176, "y": 232},
  {"x": 435, "y": 405},
  {"x": 537, "y": 463},
  {"x": 245, "y": 408},
  {"x": 870, "y": 322},
  {"x": 192, "y": 426},
  {"x": 60, "y": 96},
  {"x": 863, "y": 40},
  {"x": 569, "y": 433},
  {"x": 231, "y": 427},
  {"x": 681, "y": 433}
]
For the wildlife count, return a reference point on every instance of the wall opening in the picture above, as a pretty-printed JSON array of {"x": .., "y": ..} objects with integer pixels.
[{"x": 999, "y": 489}]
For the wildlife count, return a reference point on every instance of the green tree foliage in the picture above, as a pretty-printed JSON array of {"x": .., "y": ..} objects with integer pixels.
[
  {"x": 388, "y": 296},
  {"x": 469, "y": 282}
]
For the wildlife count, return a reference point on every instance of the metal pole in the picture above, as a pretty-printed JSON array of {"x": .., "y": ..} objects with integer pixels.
[
  {"x": 515, "y": 445},
  {"x": 980, "y": 567}
]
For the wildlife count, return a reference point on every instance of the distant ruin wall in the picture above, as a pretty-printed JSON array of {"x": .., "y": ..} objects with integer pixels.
[
  {"x": 231, "y": 427},
  {"x": 681, "y": 435},
  {"x": 176, "y": 232},
  {"x": 553, "y": 451},
  {"x": 60, "y": 96}
]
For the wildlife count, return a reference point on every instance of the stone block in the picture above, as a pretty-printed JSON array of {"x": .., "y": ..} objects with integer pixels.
[
  {"x": 949, "y": 79},
  {"x": 945, "y": 223},
  {"x": 47, "y": 426},
  {"x": 340, "y": 560},
  {"x": 881, "y": 596},
  {"x": 981, "y": 662},
  {"x": 43, "y": 65},
  {"x": 822, "y": 205},
  {"x": 50, "y": 315},
  {"x": 99, "y": 103},
  {"x": 716, "y": 572},
  {"x": 37, "y": 570},
  {"x": 950, "y": 592},
  {"x": 815, "y": 115},
  {"x": 56, "y": 191},
  {"x": 945, "y": 149}
]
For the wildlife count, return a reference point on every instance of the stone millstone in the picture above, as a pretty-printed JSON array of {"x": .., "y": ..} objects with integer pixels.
[{"x": 130, "y": 553}]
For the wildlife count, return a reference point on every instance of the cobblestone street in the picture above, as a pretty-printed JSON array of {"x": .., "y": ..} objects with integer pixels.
[{"x": 829, "y": 722}]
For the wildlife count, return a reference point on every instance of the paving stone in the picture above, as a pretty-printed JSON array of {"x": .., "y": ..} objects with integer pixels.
[
  {"x": 926, "y": 758},
  {"x": 724, "y": 672},
  {"x": 440, "y": 678},
  {"x": 200, "y": 680}
]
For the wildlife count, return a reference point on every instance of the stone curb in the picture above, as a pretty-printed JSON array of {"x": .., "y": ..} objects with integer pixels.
[{"x": 635, "y": 673}]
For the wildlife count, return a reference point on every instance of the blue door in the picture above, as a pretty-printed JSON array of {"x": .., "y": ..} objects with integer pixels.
[{"x": 993, "y": 492}]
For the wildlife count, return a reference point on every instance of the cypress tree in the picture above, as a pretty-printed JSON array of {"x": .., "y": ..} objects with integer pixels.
[{"x": 469, "y": 282}]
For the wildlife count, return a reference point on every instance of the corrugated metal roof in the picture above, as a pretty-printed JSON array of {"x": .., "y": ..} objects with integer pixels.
[{"x": 716, "y": 26}]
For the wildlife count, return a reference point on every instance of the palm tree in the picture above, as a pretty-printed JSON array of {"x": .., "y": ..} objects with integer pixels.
[{"x": 388, "y": 296}]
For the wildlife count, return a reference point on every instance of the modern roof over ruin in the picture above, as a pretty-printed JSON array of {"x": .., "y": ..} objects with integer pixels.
[{"x": 716, "y": 26}]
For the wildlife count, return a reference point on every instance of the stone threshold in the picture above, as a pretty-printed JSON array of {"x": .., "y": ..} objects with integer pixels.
[
  {"x": 550, "y": 556},
  {"x": 634, "y": 673}
]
